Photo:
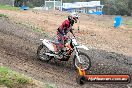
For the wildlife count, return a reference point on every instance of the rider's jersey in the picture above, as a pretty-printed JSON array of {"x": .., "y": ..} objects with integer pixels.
[{"x": 65, "y": 27}]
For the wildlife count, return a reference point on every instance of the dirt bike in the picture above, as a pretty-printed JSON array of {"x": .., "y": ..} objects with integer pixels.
[{"x": 49, "y": 50}]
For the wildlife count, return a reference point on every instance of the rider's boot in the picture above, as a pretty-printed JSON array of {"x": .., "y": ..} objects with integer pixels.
[{"x": 59, "y": 51}]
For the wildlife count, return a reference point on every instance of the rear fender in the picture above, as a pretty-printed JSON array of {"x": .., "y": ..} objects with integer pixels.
[{"x": 48, "y": 44}]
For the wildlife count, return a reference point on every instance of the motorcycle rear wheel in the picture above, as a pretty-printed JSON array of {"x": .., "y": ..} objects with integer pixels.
[{"x": 42, "y": 49}]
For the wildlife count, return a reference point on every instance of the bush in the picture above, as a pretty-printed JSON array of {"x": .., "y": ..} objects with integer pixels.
[{"x": 29, "y": 4}]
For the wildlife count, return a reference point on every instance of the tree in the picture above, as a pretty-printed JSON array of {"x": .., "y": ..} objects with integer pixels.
[
  {"x": 130, "y": 7},
  {"x": 117, "y": 7},
  {"x": 19, "y": 3}
]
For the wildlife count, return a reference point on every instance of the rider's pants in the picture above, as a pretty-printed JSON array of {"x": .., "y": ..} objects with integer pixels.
[{"x": 61, "y": 39}]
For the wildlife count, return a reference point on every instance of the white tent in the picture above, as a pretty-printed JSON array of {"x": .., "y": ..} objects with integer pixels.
[
  {"x": 92, "y": 7},
  {"x": 81, "y": 4}
]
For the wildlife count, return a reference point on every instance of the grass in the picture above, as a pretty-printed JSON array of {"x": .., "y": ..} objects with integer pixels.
[
  {"x": 12, "y": 79},
  {"x": 8, "y": 7},
  {"x": 35, "y": 28},
  {"x": 40, "y": 30},
  {"x": 3, "y": 15},
  {"x": 49, "y": 86},
  {"x": 128, "y": 23}
]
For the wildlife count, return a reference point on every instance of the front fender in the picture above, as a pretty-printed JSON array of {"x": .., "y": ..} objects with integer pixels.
[{"x": 82, "y": 47}]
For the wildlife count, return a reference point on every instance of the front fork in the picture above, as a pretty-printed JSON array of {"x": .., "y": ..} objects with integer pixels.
[{"x": 77, "y": 56}]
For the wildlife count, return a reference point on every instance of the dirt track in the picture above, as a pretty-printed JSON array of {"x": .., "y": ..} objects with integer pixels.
[
  {"x": 18, "y": 46},
  {"x": 96, "y": 31}
]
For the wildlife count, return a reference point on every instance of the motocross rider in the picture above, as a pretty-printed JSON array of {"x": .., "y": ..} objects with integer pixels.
[{"x": 66, "y": 27}]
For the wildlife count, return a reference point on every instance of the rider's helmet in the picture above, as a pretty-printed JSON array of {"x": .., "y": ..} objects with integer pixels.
[{"x": 73, "y": 17}]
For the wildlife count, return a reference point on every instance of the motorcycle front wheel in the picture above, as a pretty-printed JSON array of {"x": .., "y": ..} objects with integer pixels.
[{"x": 85, "y": 59}]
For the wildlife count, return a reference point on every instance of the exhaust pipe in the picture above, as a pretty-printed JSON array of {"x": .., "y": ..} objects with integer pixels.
[{"x": 54, "y": 55}]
